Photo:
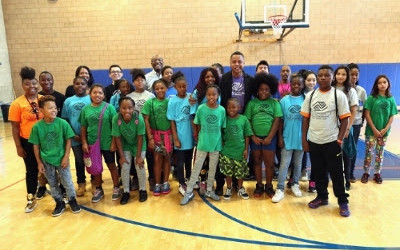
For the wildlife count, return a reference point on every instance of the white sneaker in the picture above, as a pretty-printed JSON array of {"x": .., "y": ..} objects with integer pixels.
[
  {"x": 296, "y": 190},
  {"x": 182, "y": 189},
  {"x": 279, "y": 195},
  {"x": 304, "y": 176},
  {"x": 228, "y": 194},
  {"x": 242, "y": 193}
]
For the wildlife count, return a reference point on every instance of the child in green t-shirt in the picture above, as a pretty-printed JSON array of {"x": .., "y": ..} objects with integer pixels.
[
  {"x": 264, "y": 113},
  {"x": 128, "y": 129},
  {"x": 380, "y": 109},
  {"x": 158, "y": 130},
  {"x": 210, "y": 119},
  {"x": 51, "y": 139},
  {"x": 233, "y": 157}
]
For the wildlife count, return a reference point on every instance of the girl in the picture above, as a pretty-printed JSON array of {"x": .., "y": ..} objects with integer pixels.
[
  {"x": 290, "y": 138},
  {"x": 166, "y": 73},
  {"x": 23, "y": 114},
  {"x": 82, "y": 71},
  {"x": 380, "y": 109},
  {"x": 341, "y": 82},
  {"x": 207, "y": 76},
  {"x": 359, "y": 120},
  {"x": 210, "y": 118},
  {"x": 233, "y": 157},
  {"x": 158, "y": 130},
  {"x": 264, "y": 115},
  {"x": 89, "y": 119},
  {"x": 128, "y": 129},
  {"x": 123, "y": 88},
  {"x": 181, "y": 126},
  {"x": 140, "y": 95},
  {"x": 72, "y": 109},
  {"x": 310, "y": 81}
]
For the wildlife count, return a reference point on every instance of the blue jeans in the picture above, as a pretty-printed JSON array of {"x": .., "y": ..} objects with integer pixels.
[
  {"x": 79, "y": 164},
  {"x": 52, "y": 173},
  {"x": 356, "y": 135},
  {"x": 286, "y": 158}
]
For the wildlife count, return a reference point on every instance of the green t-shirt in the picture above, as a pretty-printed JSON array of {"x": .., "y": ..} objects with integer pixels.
[
  {"x": 211, "y": 120},
  {"x": 381, "y": 108},
  {"x": 235, "y": 133},
  {"x": 261, "y": 114},
  {"x": 89, "y": 118},
  {"x": 157, "y": 111},
  {"x": 129, "y": 132},
  {"x": 52, "y": 138}
]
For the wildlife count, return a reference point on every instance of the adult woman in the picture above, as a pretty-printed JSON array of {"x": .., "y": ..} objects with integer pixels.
[
  {"x": 82, "y": 71},
  {"x": 24, "y": 113}
]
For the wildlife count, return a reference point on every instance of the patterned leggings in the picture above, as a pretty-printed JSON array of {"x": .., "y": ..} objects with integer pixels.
[{"x": 379, "y": 144}]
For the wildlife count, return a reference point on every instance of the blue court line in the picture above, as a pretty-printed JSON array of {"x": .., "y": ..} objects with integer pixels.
[{"x": 224, "y": 238}]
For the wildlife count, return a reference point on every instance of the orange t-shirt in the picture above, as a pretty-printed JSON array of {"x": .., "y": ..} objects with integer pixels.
[{"x": 21, "y": 111}]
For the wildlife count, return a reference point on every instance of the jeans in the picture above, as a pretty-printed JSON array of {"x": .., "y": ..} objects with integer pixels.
[
  {"x": 79, "y": 164},
  {"x": 184, "y": 164},
  {"x": 126, "y": 169},
  {"x": 52, "y": 173},
  {"x": 356, "y": 135},
  {"x": 198, "y": 164},
  {"x": 31, "y": 168},
  {"x": 286, "y": 159},
  {"x": 327, "y": 159}
]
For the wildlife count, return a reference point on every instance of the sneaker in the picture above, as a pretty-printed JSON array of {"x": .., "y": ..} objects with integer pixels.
[
  {"x": 269, "y": 190},
  {"x": 347, "y": 186},
  {"x": 317, "y": 202},
  {"x": 344, "y": 210},
  {"x": 134, "y": 184},
  {"x": 304, "y": 176},
  {"x": 259, "y": 190},
  {"x": 142, "y": 195},
  {"x": 125, "y": 198},
  {"x": 186, "y": 198},
  {"x": 289, "y": 183},
  {"x": 98, "y": 195},
  {"x": 311, "y": 187},
  {"x": 182, "y": 189},
  {"x": 30, "y": 204},
  {"x": 228, "y": 194},
  {"x": 116, "y": 194},
  {"x": 353, "y": 179},
  {"x": 378, "y": 178},
  {"x": 73, "y": 204},
  {"x": 41, "y": 192},
  {"x": 60, "y": 207},
  {"x": 157, "y": 190},
  {"x": 279, "y": 195},
  {"x": 296, "y": 190},
  {"x": 364, "y": 178},
  {"x": 212, "y": 195},
  {"x": 81, "y": 189},
  {"x": 165, "y": 189},
  {"x": 152, "y": 185},
  {"x": 242, "y": 193},
  {"x": 203, "y": 188}
]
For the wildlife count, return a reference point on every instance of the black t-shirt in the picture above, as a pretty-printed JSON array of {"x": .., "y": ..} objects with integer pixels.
[{"x": 60, "y": 99}]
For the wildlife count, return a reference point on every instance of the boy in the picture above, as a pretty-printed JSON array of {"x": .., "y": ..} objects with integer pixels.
[
  {"x": 51, "y": 139},
  {"x": 322, "y": 110}
]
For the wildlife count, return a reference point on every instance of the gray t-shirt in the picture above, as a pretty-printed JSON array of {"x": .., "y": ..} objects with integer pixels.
[{"x": 140, "y": 99}]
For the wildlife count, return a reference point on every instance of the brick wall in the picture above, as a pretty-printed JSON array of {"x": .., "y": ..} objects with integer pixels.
[{"x": 60, "y": 35}]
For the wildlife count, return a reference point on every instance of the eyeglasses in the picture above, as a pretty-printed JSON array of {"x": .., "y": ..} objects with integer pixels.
[
  {"x": 115, "y": 72},
  {"x": 35, "y": 109}
]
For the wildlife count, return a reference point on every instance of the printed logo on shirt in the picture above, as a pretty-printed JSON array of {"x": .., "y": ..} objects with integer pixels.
[
  {"x": 384, "y": 106},
  {"x": 238, "y": 88},
  {"x": 233, "y": 130},
  {"x": 263, "y": 108},
  {"x": 320, "y": 106},
  {"x": 294, "y": 109},
  {"x": 139, "y": 104},
  {"x": 211, "y": 119},
  {"x": 51, "y": 139},
  {"x": 185, "y": 110},
  {"x": 128, "y": 133},
  {"x": 77, "y": 108}
]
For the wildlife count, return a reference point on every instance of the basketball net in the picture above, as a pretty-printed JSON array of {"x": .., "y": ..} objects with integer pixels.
[{"x": 276, "y": 23}]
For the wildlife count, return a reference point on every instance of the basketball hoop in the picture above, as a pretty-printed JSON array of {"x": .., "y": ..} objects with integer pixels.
[{"x": 276, "y": 23}]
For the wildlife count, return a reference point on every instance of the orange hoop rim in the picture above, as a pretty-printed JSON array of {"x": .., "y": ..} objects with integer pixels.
[{"x": 276, "y": 20}]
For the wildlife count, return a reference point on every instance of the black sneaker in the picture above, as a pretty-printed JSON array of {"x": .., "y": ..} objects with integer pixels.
[
  {"x": 259, "y": 190},
  {"x": 41, "y": 192},
  {"x": 125, "y": 198},
  {"x": 269, "y": 190},
  {"x": 73, "y": 204},
  {"x": 142, "y": 195},
  {"x": 60, "y": 207}
]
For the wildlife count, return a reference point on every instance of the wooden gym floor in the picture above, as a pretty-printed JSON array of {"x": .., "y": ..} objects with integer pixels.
[{"x": 161, "y": 223}]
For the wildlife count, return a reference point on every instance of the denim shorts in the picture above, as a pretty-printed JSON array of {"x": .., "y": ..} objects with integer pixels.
[
  {"x": 269, "y": 147},
  {"x": 109, "y": 157}
]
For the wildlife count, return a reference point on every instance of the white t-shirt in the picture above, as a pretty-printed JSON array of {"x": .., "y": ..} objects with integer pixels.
[
  {"x": 323, "y": 126},
  {"x": 140, "y": 99},
  {"x": 362, "y": 98}
]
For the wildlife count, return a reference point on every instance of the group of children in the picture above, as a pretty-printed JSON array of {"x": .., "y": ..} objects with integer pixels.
[{"x": 181, "y": 126}]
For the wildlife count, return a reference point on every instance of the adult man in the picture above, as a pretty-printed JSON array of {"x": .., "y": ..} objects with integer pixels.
[
  {"x": 115, "y": 73},
  {"x": 284, "y": 83},
  {"x": 46, "y": 81},
  {"x": 157, "y": 63}
]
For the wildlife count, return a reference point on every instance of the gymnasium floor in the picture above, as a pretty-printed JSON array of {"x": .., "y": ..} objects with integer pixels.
[{"x": 161, "y": 223}]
